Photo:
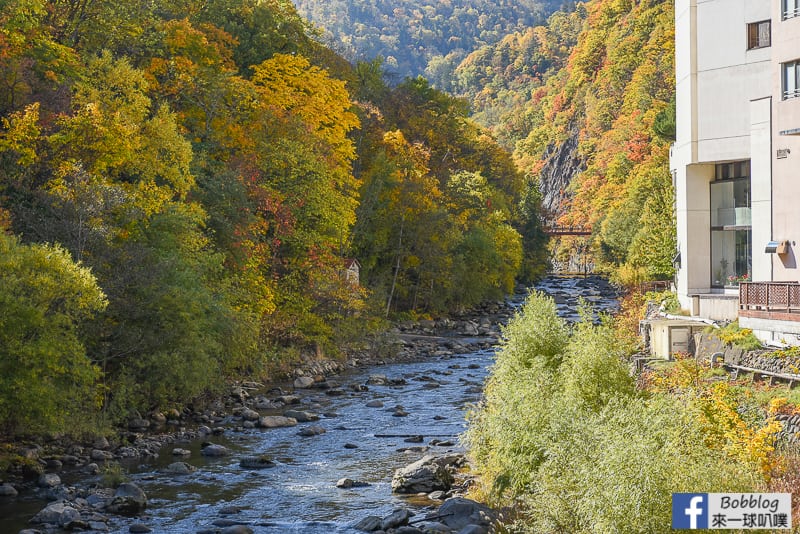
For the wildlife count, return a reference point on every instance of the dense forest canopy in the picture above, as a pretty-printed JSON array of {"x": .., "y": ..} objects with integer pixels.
[
  {"x": 587, "y": 104},
  {"x": 420, "y": 37},
  {"x": 197, "y": 174}
]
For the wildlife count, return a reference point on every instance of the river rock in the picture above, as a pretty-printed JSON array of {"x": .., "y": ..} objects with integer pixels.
[
  {"x": 371, "y": 523},
  {"x": 101, "y": 456},
  {"x": 347, "y": 483},
  {"x": 313, "y": 430},
  {"x": 301, "y": 417},
  {"x": 7, "y": 490},
  {"x": 377, "y": 380},
  {"x": 397, "y": 518},
  {"x": 177, "y": 451},
  {"x": 249, "y": 415},
  {"x": 276, "y": 421},
  {"x": 101, "y": 443},
  {"x": 180, "y": 468},
  {"x": 215, "y": 450},
  {"x": 237, "y": 529},
  {"x": 423, "y": 476},
  {"x": 129, "y": 499},
  {"x": 52, "y": 513},
  {"x": 48, "y": 480},
  {"x": 256, "y": 462},
  {"x": 458, "y": 512},
  {"x": 303, "y": 382},
  {"x": 138, "y": 528},
  {"x": 375, "y": 404}
]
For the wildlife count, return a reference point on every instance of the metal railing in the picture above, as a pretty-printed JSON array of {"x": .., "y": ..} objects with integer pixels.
[{"x": 781, "y": 297}]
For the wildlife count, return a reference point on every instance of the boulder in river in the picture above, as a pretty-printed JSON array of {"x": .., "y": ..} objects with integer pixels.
[
  {"x": 300, "y": 416},
  {"x": 215, "y": 450},
  {"x": 276, "y": 421},
  {"x": 458, "y": 513},
  {"x": 129, "y": 499},
  {"x": 256, "y": 462},
  {"x": 180, "y": 468},
  {"x": 396, "y": 519},
  {"x": 313, "y": 430},
  {"x": 303, "y": 382},
  {"x": 53, "y": 513},
  {"x": 423, "y": 476}
]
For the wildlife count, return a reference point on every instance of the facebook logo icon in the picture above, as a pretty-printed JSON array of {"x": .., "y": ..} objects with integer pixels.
[{"x": 689, "y": 510}]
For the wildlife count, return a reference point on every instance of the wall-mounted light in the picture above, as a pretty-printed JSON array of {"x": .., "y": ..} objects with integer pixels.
[
  {"x": 783, "y": 153},
  {"x": 777, "y": 247}
]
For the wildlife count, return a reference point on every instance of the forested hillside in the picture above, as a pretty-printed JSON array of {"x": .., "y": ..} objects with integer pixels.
[
  {"x": 421, "y": 37},
  {"x": 181, "y": 184},
  {"x": 587, "y": 103}
]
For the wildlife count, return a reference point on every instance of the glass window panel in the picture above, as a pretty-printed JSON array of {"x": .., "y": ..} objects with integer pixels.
[{"x": 731, "y": 256}]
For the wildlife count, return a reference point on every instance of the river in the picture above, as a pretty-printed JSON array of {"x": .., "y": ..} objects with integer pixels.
[{"x": 361, "y": 442}]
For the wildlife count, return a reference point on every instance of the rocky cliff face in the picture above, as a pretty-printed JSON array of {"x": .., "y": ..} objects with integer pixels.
[{"x": 561, "y": 166}]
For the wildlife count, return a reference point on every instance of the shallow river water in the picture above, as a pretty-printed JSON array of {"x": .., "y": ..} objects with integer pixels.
[{"x": 299, "y": 494}]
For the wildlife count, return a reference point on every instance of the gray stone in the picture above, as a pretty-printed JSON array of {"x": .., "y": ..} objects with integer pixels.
[
  {"x": 215, "y": 450},
  {"x": 408, "y": 530},
  {"x": 313, "y": 430},
  {"x": 276, "y": 421},
  {"x": 180, "y": 468},
  {"x": 300, "y": 416},
  {"x": 177, "y": 451},
  {"x": 69, "y": 518},
  {"x": 423, "y": 476},
  {"x": 256, "y": 462},
  {"x": 458, "y": 512},
  {"x": 101, "y": 456},
  {"x": 375, "y": 404},
  {"x": 371, "y": 523},
  {"x": 129, "y": 499},
  {"x": 93, "y": 468},
  {"x": 347, "y": 483},
  {"x": 101, "y": 443},
  {"x": 395, "y": 519},
  {"x": 52, "y": 513},
  {"x": 49, "y": 480},
  {"x": 138, "y": 528},
  {"x": 303, "y": 382},
  {"x": 237, "y": 529},
  {"x": 377, "y": 380},
  {"x": 249, "y": 415},
  {"x": 7, "y": 490}
]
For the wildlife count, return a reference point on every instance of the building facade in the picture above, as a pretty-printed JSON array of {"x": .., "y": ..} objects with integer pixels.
[{"x": 736, "y": 159}]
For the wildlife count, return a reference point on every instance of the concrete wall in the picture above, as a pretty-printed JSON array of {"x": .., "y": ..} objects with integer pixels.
[
  {"x": 786, "y": 169},
  {"x": 724, "y": 113}
]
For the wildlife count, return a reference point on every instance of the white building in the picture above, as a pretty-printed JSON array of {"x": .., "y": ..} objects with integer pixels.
[{"x": 736, "y": 162}]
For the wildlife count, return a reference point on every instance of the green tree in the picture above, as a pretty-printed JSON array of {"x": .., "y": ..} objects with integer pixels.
[{"x": 47, "y": 381}]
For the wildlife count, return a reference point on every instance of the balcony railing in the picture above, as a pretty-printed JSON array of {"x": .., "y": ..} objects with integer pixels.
[{"x": 770, "y": 300}]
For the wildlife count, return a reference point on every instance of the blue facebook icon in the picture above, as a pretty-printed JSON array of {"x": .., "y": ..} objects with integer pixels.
[{"x": 689, "y": 510}]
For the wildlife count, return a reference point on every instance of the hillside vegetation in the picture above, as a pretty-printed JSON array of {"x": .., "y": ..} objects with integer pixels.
[
  {"x": 181, "y": 184},
  {"x": 420, "y": 37},
  {"x": 587, "y": 104}
]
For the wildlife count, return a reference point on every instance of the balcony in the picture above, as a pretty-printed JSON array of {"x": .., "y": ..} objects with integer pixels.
[{"x": 772, "y": 301}]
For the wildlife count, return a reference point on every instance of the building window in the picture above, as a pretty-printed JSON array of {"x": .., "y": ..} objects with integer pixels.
[
  {"x": 759, "y": 34},
  {"x": 791, "y": 79},
  {"x": 791, "y": 8},
  {"x": 731, "y": 235}
]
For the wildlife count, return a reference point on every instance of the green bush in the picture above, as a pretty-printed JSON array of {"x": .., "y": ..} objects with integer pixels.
[
  {"x": 564, "y": 431},
  {"x": 48, "y": 383}
]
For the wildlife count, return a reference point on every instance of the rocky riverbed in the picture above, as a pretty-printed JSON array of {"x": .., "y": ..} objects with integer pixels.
[{"x": 348, "y": 447}]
